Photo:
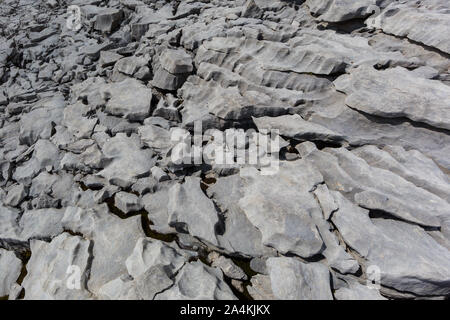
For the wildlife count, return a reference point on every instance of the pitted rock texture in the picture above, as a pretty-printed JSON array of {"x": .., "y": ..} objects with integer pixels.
[{"x": 100, "y": 200}]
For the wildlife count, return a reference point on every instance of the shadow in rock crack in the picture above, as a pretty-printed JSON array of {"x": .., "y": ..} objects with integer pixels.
[
  {"x": 294, "y": 2},
  {"x": 74, "y": 234},
  {"x": 315, "y": 258},
  {"x": 345, "y": 27},
  {"x": 207, "y": 182},
  {"x": 241, "y": 295},
  {"x": 25, "y": 257},
  {"x": 146, "y": 223},
  {"x": 244, "y": 264},
  {"x": 326, "y": 144},
  {"x": 399, "y": 121},
  {"x": 380, "y": 214},
  {"x": 110, "y": 202}
]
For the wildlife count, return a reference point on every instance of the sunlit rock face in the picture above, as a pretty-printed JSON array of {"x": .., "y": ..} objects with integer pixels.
[{"x": 232, "y": 149}]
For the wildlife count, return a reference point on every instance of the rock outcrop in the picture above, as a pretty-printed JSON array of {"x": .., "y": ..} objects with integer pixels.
[{"x": 225, "y": 149}]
